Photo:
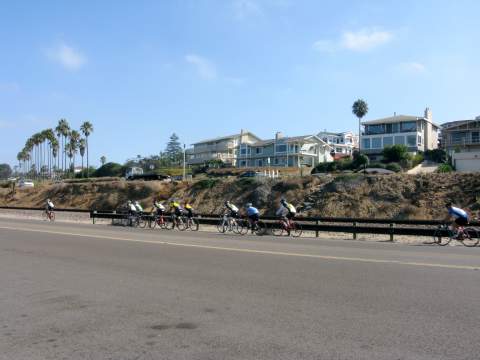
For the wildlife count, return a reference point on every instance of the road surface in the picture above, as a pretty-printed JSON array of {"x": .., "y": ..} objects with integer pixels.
[{"x": 73, "y": 291}]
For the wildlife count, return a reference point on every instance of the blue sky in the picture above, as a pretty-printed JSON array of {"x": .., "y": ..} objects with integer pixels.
[{"x": 141, "y": 70}]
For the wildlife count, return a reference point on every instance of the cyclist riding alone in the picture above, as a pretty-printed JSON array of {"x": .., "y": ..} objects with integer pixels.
[
  {"x": 158, "y": 207},
  {"x": 460, "y": 216},
  {"x": 286, "y": 210},
  {"x": 232, "y": 209},
  {"x": 49, "y": 206},
  {"x": 252, "y": 213},
  {"x": 189, "y": 209}
]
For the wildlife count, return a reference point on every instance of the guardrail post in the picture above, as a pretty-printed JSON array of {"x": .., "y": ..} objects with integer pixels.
[
  {"x": 316, "y": 231},
  {"x": 354, "y": 230},
  {"x": 93, "y": 217},
  {"x": 392, "y": 230}
]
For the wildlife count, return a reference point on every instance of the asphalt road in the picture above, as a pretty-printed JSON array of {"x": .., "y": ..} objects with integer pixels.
[{"x": 71, "y": 291}]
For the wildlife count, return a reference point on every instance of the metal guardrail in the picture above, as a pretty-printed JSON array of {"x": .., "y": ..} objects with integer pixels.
[{"x": 43, "y": 208}]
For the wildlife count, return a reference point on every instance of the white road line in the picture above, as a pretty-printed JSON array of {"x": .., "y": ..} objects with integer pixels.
[{"x": 253, "y": 251}]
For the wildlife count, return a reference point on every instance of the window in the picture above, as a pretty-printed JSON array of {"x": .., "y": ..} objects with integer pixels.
[
  {"x": 243, "y": 163},
  {"x": 388, "y": 128},
  {"x": 260, "y": 163},
  {"x": 395, "y": 128},
  {"x": 281, "y": 148},
  {"x": 388, "y": 141},
  {"x": 366, "y": 143},
  {"x": 258, "y": 150},
  {"x": 411, "y": 140},
  {"x": 376, "y": 143},
  {"x": 375, "y": 129},
  {"x": 409, "y": 126},
  {"x": 458, "y": 137},
  {"x": 244, "y": 149},
  {"x": 399, "y": 140},
  {"x": 475, "y": 137},
  {"x": 419, "y": 140},
  {"x": 339, "y": 150}
]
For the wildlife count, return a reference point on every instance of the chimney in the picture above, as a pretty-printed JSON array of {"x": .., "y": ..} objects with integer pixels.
[
  {"x": 278, "y": 135},
  {"x": 394, "y": 113},
  {"x": 428, "y": 114}
]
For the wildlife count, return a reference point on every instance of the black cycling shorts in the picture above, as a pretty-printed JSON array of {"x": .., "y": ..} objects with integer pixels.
[
  {"x": 290, "y": 216},
  {"x": 233, "y": 214},
  {"x": 254, "y": 217},
  {"x": 461, "y": 221}
]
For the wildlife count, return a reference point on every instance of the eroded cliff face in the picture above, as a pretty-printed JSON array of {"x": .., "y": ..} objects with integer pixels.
[{"x": 350, "y": 195}]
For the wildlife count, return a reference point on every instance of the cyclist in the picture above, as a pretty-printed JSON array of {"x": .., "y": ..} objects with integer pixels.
[
  {"x": 232, "y": 209},
  {"x": 138, "y": 207},
  {"x": 132, "y": 209},
  {"x": 175, "y": 209},
  {"x": 287, "y": 212},
  {"x": 49, "y": 207},
  {"x": 189, "y": 209},
  {"x": 158, "y": 207},
  {"x": 253, "y": 214},
  {"x": 460, "y": 216}
]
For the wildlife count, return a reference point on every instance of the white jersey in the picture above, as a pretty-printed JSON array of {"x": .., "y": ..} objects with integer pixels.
[
  {"x": 50, "y": 204},
  {"x": 159, "y": 206},
  {"x": 232, "y": 207},
  {"x": 138, "y": 207},
  {"x": 132, "y": 207}
]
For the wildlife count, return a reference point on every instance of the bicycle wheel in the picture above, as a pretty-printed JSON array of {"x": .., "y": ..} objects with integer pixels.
[
  {"x": 236, "y": 228},
  {"x": 193, "y": 224},
  {"x": 444, "y": 240},
  {"x": 153, "y": 223},
  {"x": 278, "y": 231},
  {"x": 142, "y": 222},
  {"x": 243, "y": 226},
  {"x": 295, "y": 229},
  {"x": 44, "y": 216},
  {"x": 52, "y": 216},
  {"x": 261, "y": 228},
  {"x": 222, "y": 226},
  {"x": 181, "y": 223},
  {"x": 436, "y": 238},
  {"x": 470, "y": 237}
]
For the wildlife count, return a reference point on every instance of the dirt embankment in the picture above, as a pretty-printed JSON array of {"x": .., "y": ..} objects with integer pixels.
[{"x": 376, "y": 196}]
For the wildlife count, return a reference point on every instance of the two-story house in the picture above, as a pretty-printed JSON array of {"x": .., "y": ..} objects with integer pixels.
[
  {"x": 461, "y": 140},
  {"x": 225, "y": 148},
  {"x": 297, "y": 151},
  {"x": 343, "y": 143},
  {"x": 416, "y": 132}
]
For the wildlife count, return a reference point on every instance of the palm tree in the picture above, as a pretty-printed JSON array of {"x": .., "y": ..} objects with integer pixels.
[
  {"x": 360, "y": 109},
  {"x": 103, "y": 160},
  {"x": 81, "y": 147},
  {"x": 74, "y": 139},
  {"x": 69, "y": 153},
  {"x": 55, "y": 146},
  {"x": 64, "y": 129},
  {"x": 86, "y": 128}
]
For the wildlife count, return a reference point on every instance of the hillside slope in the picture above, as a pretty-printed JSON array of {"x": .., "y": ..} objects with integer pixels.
[{"x": 379, "y": 196}]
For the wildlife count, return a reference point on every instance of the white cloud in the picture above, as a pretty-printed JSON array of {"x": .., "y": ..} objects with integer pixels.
[
  {"x": 413, "y": 67},
  {"x": 205, "y": 68},
  {"x": 67, "y": 56},
  {"x": 365, "y": 39},
  {"x": 362, "y": 40},
  {"x": 246, "y": 8}
]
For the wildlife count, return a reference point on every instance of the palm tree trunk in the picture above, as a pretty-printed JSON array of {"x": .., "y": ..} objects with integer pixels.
[{"x": 86, "y": 140}]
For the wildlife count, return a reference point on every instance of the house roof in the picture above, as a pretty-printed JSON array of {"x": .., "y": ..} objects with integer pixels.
[
  {"x": 454, "y": 124},
  {"x": 287, "y": 138},
  {"x": 321, "y": 133},
  {"x": 226, "y": 137},
  {"x": 397, "y": 119}
]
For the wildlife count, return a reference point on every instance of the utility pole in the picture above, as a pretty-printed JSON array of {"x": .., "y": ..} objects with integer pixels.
[{"x": 184, "y": 156}]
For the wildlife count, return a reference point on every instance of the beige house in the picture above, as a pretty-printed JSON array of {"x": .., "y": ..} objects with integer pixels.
[
  {"x": 416, "y": 132},
  {"x": 224, "y": 148}
]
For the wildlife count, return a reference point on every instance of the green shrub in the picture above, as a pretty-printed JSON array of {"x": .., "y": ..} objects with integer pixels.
[
  {"x": 445, "y": 168},
  {"x": 325, "y": 167},
  {"x": 395, "y": 153},
  {"x": 437, "y": 155},
  {"x": 376, "y": 165},
  {"x": 345, "y": 164},
  {"x": 110, "y": 169},
  {"x": 417, "y": 159},
  {"x": 205, "y": 184},
  {"x": 393, "y": 167}
]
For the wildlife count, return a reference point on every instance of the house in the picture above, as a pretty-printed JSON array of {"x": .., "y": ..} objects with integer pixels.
[
  {"x": 416, "y": 132},
  {"x": 224, "y": 148},
  {"x": 461, "y": 140},
  {"x": 343, "y": 143},
  {"x": 308, "y": 150}
]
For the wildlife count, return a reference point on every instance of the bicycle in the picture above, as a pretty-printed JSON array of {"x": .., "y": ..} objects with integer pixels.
[
  {"x": 137, "y": 220},
  {"x": 228, "y": 223},
  {"x": 191, "y": 223},
  {"x": 288, "y": 227},
  {"x": 177, "y": 221},
  {"x": 48, "y": 215},
  {"x": 468, "y": 236},
  {"x": 158, "y": 220},
  {"x": 258, "y": 227}
]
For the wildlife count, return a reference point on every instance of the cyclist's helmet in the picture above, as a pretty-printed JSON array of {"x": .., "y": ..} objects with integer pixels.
[
  {"x": 248, "y": 205},
  {"x": 448, "y": 204},
  {"x": 283, "y": 202},
  {"x": 129, "y": 202},
  {"x": 48, "y": 200},
  {"x": 227, "y": 202},
  {"x": 136, "y": 203}
]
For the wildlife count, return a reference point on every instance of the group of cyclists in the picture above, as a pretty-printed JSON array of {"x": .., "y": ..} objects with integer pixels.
[{"x": 286, "y": 211}]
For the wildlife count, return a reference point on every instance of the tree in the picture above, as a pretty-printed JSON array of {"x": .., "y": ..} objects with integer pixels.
[
  {"x": 110, "y": 169},
  {"x": 5, "y": 171},
  {"x": 87, "y": 129},
  {"x": 174, "y": 148},
  {"x": 359, "y": 109},
  {"x": 74, "y": 140},
  {"x": 395, "y": 153},
  {"x": 81, "y": 148},
  {"x": 103, "y": 160},
  {"x": 63, "y": 129}
]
